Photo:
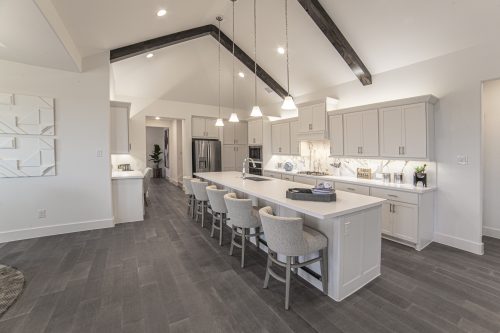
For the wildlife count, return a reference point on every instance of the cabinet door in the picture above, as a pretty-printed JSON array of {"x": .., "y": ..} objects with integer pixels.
[
  {"x": 294, "y": 142},
  {"x": 252, "y": 132},
  {"x": 241, "y": 133},
  {"x": 228, "y": 158},
  {"x": 387, "y": 218},
  {"x": 370, "y": 133},
  {"x": 285, "y": 138},
  {"x": 198, "y": 127},
  {"x": 211, "y": 130},
  {"x": 305, "y": 119},
  {"x": 405, "y": 219},
  {"x": 240, "y": 155},
  {"x": 257, "y": 132},
  {"x": 228, "y": 133},
  {"x": 415, "y": 131},
  {"x": 353, "y": 133},
  {"x": 119, "y": 130},
  {"x": 276, "y": 175},
  {"x": 319, "y": 117},
  {"x": 391, "y": 131},
  {"x": 336, "y": 136},
  {"x": 275, "y": 139}
]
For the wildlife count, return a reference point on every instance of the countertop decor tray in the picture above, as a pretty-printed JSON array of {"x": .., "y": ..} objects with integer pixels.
[{"x": 306, "y": 195}]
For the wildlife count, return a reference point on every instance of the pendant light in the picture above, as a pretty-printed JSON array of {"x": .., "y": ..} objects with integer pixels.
[
  {"x": 234, "y": 117},
  {"x": 219, "y": 122},
  {"x": 288, "y": 103},
  {"x": 256, "y": 112}
]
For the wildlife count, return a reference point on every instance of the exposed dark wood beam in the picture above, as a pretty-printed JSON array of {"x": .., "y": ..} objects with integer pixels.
[
  {"x": 335, "y": 36},
  {"x": 186, "y": 35}
]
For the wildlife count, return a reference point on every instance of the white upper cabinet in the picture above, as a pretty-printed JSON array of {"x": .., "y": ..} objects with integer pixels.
[
  {"x": 336, "y": 135},
  {"x": 120, "y": 114},
  {"x": 204, "y": 128},
  {"x": 312, "y": 121},
  {"x": 294, "y": 141},
  {"x": 235, "y": 133},
  {"x": 404, "y": 131},
  {"x": 361, "y": 133},
  {"x": 280, "y": 138},
  {"x": 255, "y": 132}
]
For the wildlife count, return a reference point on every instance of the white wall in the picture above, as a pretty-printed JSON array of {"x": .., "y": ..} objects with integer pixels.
[
  {"x": 79, "y": 196},
  {"x": 456, "y": 80},
  {"x": 491, "y": 158}
]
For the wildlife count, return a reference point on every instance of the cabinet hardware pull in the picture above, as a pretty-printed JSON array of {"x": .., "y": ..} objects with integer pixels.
[
  {"x": 403, "y": 149},
  {"x": 393, "y": 208},
  {"x": 351, "y": 189},
  {"x": 392, "y": 196}
]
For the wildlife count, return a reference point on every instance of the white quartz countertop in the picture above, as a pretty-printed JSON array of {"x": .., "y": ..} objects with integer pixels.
[
  {"x": 274, "y": 191},
  {"x": 366, "y": 182},
  {"x": 126, "y": 175}
]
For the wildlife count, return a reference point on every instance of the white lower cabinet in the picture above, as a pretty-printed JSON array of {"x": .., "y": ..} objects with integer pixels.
[
  {"x": 272, "y": 174},
  {"x": 400, "y": 220},
  {"x": 304, "y": 180},
  {"x": 285, "y": 176},
  {"x": 359, "y": 189}
]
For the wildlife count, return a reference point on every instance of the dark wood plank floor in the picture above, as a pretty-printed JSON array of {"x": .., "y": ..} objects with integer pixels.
[{"x": 167, "y": 275}]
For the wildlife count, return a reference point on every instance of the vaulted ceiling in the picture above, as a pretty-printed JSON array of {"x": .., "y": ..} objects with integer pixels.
[{"x": 386, "y": 34}]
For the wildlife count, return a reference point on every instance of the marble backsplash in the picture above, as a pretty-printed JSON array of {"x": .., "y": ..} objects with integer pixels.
[{"x": 314, "y": 157}]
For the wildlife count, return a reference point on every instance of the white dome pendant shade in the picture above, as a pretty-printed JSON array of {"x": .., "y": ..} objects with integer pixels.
[
  {"x": 288, "y": 104},
  {"x": 234, "y": 118},
  {"x": 219, "y": 122},
  {"x": 256, "y": 112}
]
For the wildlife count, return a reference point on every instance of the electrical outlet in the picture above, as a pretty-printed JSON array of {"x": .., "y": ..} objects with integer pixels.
[
  {"x": 99, "y": 153},
  {"x": 42, "y": 213}
]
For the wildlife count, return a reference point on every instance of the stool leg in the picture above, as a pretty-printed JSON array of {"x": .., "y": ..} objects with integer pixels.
[
  {"x": 221, "y": 224},
  {"x": 287, "y": 292},
  {"x": 203, "y": 214},
  {"x": 232, "y": 242},
  {"x": 324, "y": 269},
  {"x": 268, "y": 266},
  {"x": 213, "y": 225},
  {"x": 294, "y": 261},
  {"x": 243, "y": 244},
  {"x": 193, "y": 208},
  {"x": 257, "y": 238}
]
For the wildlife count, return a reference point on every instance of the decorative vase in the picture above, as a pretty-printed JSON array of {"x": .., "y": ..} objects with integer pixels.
[{"x": 420, "y": 178}]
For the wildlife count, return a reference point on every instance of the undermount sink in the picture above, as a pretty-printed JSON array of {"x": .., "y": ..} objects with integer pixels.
[{"x": 257, "y": 179}]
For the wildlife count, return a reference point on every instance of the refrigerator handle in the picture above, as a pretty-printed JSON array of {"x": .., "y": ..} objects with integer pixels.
[{"x": 209, "y": 157}]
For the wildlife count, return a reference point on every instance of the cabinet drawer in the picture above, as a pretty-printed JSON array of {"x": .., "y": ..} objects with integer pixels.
[
  {"x": 272, "y": 174},
  {"x": 411, "y": 198},
  {"x": 304, "y": 180},
  {"x": 359, "y": 189},
  {"x": 287, "y": 177}
]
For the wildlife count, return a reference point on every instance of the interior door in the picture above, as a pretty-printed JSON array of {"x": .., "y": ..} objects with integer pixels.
[
  {"x": 319, "y": 117},
  {"x": 353, "y": 133},
  {"x": 415, "y": 131},
  {"x": 228, "y": 133},
  {"x": 305, "y": 119},
  {"x": 370, "y": 133},
  {"x": 405, "y": 221},
  {"x": 229, "y": 158},
  {"x": 391, "y": 131},
  {"x": 198, "y": 127},
  {"x": 210, "y": 128},
  {"x": 294, "y": 142}
]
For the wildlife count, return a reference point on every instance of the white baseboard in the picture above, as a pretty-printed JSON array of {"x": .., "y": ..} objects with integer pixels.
[
  {"x": 14, "y": 235},
  {"x": 459, "y": 243},
  {"x": 491, "y": 232}
]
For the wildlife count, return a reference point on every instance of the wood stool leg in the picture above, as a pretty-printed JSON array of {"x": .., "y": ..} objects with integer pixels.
[
  {"x": 324, "y": 269},
  {"x": 288, "y": 273},
  {"x": 268, "y": 266}
]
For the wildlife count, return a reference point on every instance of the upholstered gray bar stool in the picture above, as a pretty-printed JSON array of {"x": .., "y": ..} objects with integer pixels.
[
  {"x": 241, "y": 215},
  {"x": 188, "y": 190},
  {"x": 201, "y": 197},
  {"x": 219, "y": 209},
  {"x": 288, "y": 236}
]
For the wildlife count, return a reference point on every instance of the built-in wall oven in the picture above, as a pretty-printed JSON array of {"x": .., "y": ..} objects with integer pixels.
[{"x": 255, "y": 153}]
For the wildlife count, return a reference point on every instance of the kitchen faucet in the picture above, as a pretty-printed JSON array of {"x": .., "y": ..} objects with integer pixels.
[{"x": 245, "y": 161}]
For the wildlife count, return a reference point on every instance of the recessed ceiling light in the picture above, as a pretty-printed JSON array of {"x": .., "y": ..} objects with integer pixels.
[
  {"x": 241, "y": 74},
  {"x": 161, "y": 12},
  {"x": 150, "y": 55},
  {"x": 157, "y": 118},
  {"x": 281, "y": 50}
]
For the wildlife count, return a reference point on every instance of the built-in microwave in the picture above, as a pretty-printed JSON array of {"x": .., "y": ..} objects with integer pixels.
[{"x": 255, "y": 153}]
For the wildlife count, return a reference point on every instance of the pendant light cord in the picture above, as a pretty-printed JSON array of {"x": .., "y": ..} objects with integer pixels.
[
  {"x": 219, "y": 19},
  {"x": 233, "y": 53},
  {"x": 255, "y": 47},
  {"x": 287, "y": 60}
]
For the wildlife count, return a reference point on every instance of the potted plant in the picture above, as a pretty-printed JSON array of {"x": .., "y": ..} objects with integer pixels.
[
  {"x": 155, "y": 158},
  {"x": 420, "y": 175}
]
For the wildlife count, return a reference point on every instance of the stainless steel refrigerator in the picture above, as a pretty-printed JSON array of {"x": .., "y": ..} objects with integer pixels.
[{"x": 206, "y": 155}]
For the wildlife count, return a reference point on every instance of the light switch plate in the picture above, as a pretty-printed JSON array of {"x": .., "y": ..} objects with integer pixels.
[
  {"x": 462, "y": 159},
  {"x": 99, "y": 153}
]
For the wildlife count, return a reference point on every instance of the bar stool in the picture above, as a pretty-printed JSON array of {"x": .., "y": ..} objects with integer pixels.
[
  {"x": 240, "y": 213},
  {"x": 289, "y": 237},
  {"x": 188, "y": 190},
  {"x": 219, "y": 209},
  {"x": 201, "y": 197}
]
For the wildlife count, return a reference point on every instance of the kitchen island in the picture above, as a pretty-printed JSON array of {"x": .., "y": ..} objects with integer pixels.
[
  {"x": 352, "y": 225},
  {"x": 128, "y": 198}
]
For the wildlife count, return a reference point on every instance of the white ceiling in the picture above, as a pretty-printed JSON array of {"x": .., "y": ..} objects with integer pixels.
[{"x": 27, "y": 37}]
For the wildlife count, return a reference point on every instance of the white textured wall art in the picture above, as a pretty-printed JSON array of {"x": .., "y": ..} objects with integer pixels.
[
  {"x": 24, "y": 114},
  {"x": 25, "y": 156}
]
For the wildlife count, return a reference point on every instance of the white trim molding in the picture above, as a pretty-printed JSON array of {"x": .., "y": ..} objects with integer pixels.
[
  {"x": 491, "y": 232},
  {"x": 459, "y": 243},
  {"x": 14, "y": 235}
]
